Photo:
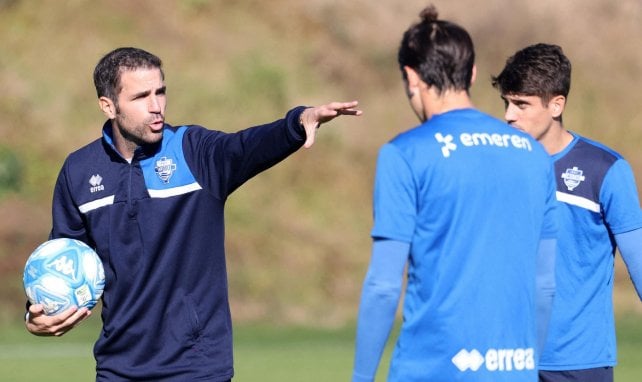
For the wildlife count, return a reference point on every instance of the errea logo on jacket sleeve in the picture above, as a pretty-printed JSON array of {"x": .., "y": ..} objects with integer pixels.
[
  {"x": 495, "y": 360},
  {"x": 482, "y": 139}
]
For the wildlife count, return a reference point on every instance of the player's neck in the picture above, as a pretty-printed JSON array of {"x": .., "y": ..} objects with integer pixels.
[
  {"x": 447, "y": 101},
  {"x": 124, "y": 146},
  {"x": 556, "y": 139}
]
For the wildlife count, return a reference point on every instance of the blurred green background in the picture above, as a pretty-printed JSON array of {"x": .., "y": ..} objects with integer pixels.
[{"x": 297, "y": 235}]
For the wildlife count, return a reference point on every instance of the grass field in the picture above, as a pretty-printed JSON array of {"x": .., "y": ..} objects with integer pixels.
[{"x": 262, "y": 354}]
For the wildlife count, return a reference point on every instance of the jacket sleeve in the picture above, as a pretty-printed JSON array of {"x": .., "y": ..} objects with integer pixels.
[
  {"x": 222, "y": 162},
  {"x": 67, "y": 221}
]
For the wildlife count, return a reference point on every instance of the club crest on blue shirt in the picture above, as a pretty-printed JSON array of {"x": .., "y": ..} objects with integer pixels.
[
  {"x": 573, "y": 177},
  {"x": 165, "y": 168}
]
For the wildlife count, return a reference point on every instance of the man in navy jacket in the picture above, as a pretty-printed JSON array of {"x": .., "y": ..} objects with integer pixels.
[{"x": 150, "y": 197}]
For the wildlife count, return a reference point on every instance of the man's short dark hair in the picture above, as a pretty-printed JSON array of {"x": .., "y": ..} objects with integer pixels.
[
  {"x": 538, "y": 70},
  {"x": 441, "y": 52},
  {"x": 109, "y": 68}
]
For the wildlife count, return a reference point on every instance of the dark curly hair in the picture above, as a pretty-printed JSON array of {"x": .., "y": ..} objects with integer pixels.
[{"x": 538, "y": 70}]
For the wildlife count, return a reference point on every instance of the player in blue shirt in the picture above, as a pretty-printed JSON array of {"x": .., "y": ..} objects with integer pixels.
[
  {"x": 467, "y": 203},
  {"x": 598, "y": 208},
  {"x": 150, "y": 198}
]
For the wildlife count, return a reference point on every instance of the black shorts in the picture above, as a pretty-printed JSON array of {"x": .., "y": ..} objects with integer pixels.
[{"x": 598, "y": 374}]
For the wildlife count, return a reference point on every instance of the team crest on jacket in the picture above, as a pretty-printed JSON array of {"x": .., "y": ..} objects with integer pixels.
[
  {"x": 573, "y": 177},
  {"x": 165, "y": 168}
]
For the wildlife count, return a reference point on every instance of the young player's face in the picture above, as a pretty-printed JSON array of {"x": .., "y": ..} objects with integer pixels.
[
  {"x": 529, "y": 114},
  {"x": 140, "y": 112}
]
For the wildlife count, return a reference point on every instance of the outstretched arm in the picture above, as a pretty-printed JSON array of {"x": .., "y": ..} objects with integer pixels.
[
  {"x": 313, "y": 117},
  {"x": 379, "y": 300}
]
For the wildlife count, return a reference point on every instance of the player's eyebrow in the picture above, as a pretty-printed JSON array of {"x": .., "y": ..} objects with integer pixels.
[
  {"x": 516, "y": 100},
  {"x": 142, "y": 94},
  {"x": 145, "y": 93}
]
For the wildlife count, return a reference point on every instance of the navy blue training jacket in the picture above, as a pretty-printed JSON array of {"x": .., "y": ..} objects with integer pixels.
[{"x": 157, "y": 224}]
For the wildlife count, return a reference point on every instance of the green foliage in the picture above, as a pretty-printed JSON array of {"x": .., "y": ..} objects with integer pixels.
[
  {"x": 256, "y": 82},
  {"x": 11, "y": 169}
]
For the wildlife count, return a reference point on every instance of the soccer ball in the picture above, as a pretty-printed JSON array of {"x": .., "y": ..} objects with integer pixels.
[{"x": 62, "y": 273}]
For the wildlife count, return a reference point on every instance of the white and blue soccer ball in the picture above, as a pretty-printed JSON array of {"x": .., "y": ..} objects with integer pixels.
[{"x": 62, "y": 273}]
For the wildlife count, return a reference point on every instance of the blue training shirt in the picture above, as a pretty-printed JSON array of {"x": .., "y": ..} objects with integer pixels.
[
  {"x": 598, "y": 199},
  {"x": 473, "y": 197},
  {"x": 157, "y": 224}
]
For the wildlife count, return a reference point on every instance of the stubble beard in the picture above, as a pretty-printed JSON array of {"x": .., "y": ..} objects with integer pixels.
[{"x": 138, "y": 135}]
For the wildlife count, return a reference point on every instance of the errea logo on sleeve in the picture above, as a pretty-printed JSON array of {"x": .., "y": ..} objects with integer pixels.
[
  {"x": 495, "y": 360},
  {"x": 482, "y": 139}
]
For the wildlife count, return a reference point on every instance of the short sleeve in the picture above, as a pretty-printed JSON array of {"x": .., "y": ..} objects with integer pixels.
[
  {"x": 394, "y": 197},
  {"x": 619, "y": 199}
]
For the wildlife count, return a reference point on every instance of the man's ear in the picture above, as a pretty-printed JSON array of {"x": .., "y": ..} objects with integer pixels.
[
  {"x": 413, "y": 81},
  {"x": 473, "y": 77},
  {"x": 557, "y": 104},
  {"x": 413, "y": 77},
  {"x": 108, "y": 107}
]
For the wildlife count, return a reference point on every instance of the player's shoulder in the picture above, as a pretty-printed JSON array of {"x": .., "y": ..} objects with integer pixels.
[
  {"x": 450, "y": 122},
  {"x": 86, "y": 152},
  {"x": 595, "y": 148},
  {"x": 197, "y": 131},
  {"x": 467, "y": 127}
]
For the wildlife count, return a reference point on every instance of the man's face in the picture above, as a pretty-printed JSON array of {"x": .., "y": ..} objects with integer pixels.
[
  {"x": 530, "y": 114},
  {"x": 140, "y": 111}
]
